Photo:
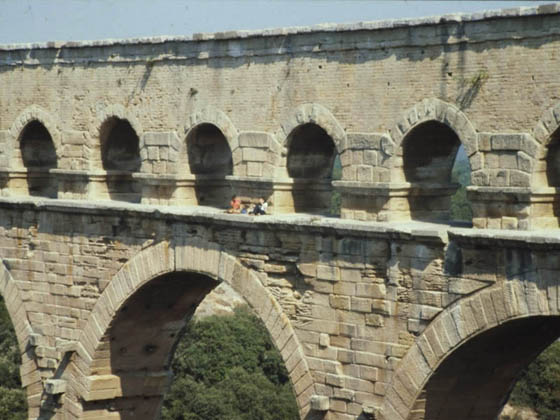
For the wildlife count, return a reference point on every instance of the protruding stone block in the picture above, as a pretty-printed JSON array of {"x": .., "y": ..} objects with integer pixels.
[
  {"x": 55, "y": 386},
  {"x": 320, "y": 403}
]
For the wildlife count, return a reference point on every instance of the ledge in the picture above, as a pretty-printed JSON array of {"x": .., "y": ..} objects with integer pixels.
[
  {"x": 547, "y": 9},
  {"x": 438, "y": 233}
]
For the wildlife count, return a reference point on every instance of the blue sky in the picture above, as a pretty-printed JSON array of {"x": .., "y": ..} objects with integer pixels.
[{"x": 49, "y": 20}]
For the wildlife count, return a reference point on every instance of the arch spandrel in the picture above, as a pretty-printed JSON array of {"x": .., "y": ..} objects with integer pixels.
[
  {"x": 189, "y": 256},
  {"x": 466, "y": 319}
]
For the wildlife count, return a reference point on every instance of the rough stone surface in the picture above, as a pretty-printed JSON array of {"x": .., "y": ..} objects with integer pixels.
[{"x": 371, "y": 312}]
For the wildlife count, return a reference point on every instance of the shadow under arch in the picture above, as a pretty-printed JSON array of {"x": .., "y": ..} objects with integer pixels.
[
  {"x": 428, "y": 137},
  {"x": 39, "y": 156},
  {"x": 313, "y": 140},
  {"x": 210, "y": 160},
  {"x": 474, "y": 332},
  {"x": 310, "y": 161},
  {"x": 104, "y": 377},
  {"x": 120, "y": 158}
]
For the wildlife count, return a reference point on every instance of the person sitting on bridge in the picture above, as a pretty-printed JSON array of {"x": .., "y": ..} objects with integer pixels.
[
  {"x": 261, "y": 207},
  {"x": 234, "y": 205}
]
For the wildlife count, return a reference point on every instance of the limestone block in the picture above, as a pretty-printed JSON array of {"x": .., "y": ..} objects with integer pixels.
[
  {"x": 255, "y": 139},
  {"x": 251, "y": 154},
  {"x": 508, "y": 160},
  {"x": 74, "y": 137},
  {"x": 320, "y": 403},
  {"x": 519, "y": 179},
  {"x": 55, "y": 386},
  {"x": 524, "y": 162},
  {"x": 506, "y": 141}
]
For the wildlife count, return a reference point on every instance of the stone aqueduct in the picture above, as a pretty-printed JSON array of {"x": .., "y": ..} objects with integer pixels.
[{"x": 116, "y": 154}]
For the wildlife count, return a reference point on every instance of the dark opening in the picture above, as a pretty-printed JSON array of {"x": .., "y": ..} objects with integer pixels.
[
  {"x": 210, "y": 160},
  {"x": 39, "y": 157},
  {"x": 476, "y": 379},
  {"x": 120, "y": 155},
  {"x": 553, "y": 160},
  {"x": 430, "y": 152},
  {"x": 311, "y": 157},
  {"x": 208, "y": 151},
  {"x": 120, "y": 146},
  {"x": 151, "y": 341}
]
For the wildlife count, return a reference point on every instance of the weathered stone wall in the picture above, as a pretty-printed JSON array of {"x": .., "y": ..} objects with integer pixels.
[
  {"x": 344, "y": 302},
  {"x": 371, "y": 318},
  {"x": 490, "y": 78}
]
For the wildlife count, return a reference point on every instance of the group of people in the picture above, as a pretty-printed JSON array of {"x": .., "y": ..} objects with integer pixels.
[{"x": 235, "y": 206}]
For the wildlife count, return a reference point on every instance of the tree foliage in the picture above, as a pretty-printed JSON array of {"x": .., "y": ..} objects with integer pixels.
[
  {"x": 13, "y": 405},
  {"x": 227, "y": 367},
  {"x": 460, "y": 205},
  {"x": 539, "y": 386}
]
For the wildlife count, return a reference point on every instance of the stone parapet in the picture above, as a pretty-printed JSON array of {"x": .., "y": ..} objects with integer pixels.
[{"x": 386, "y": 202}]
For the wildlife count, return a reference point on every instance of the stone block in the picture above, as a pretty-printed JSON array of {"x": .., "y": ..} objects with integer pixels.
[
  {"x": 320, "y": 403},
  {"x": 507, "y": 141},
  {"x": 364, "y": 141},
  {"x": 254, "y": 139},
  {"x": 74, "y": 137},
  {"x": 55, "y": 386}
]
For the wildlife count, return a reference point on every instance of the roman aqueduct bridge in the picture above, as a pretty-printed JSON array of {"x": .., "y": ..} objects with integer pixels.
[{"x": 117, "y": 159}]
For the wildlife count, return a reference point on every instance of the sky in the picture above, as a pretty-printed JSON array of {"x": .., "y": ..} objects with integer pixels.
[{"x": 23, "y": 21}]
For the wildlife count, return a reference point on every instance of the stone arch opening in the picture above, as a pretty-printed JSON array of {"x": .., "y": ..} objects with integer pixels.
[
  {"x": 39, "y": 157},
  {"x": 137, "y": 349},
  {"x": 475, "y": 380},
  {"x": 310, "y": 162},
  {"x": 120, "y": 157},
  {"x": 211, "y": 161},
  {"x": 430, "y": 151}
]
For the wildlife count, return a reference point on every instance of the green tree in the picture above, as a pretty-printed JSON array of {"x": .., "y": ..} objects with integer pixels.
[
  {"x": 13, "y": 405},
  {"x": 227, "y": 367},
  {"x": 460, "y": 205},
  {"x": 539, "y": 386}
]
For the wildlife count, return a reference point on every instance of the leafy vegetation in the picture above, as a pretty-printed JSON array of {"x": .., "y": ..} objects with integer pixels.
[
  {"x": 13, "y": 405},
  {"x": 227, "y": 367},
  {"x": 461, "y": 173},
  {"x": 539, "y": 386}
]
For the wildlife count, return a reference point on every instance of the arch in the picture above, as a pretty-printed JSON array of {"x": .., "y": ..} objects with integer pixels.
[
  {"x": 314, "y": 114},
  {"x": 28, "y": 115},
  {"x": 117, "y": 153},
  {"x": 120, "y": 145},
  {"x": 423, "y": 149},
  {"x": 434, "y": 109},
  {"x": 219, "y": 119},
  {"x": 39, "y": 156},
  {"x": 17, "y": 311},
  {"x": 103, "y": 115},
  {"x": 190, "y": 256},
  {"x": 208, "y": 151},
  {"x": 458, "y": 324}
]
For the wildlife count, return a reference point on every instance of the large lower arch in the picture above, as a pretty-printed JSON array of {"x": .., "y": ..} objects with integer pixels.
[
  {"x": 30, "y": 376},
  {"x": 99, "y": 385},
  {"x": 484, "y": 322}
]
